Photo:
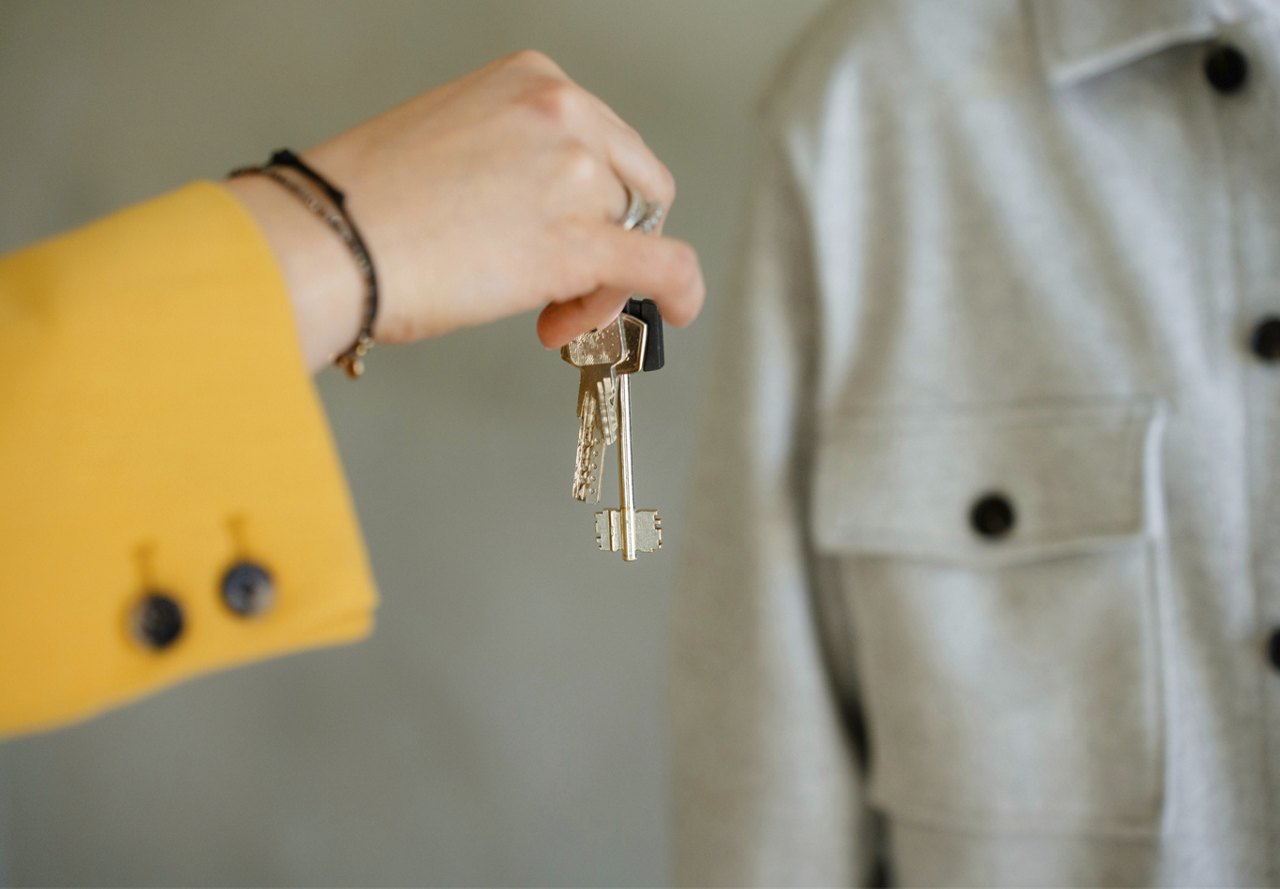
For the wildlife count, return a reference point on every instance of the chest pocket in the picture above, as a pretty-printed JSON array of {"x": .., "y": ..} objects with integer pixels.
[{"x": 1000, "y": 570}]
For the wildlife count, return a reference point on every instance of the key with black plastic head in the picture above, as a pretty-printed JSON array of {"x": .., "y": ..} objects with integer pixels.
[{"x": 647, "y": 311}]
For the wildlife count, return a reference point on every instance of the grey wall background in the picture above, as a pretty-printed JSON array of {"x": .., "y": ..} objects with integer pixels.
[{"x": 506, "y": 724}]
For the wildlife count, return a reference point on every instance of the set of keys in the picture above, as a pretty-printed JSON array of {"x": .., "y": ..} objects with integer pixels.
[{"x": 606, "y": 359}]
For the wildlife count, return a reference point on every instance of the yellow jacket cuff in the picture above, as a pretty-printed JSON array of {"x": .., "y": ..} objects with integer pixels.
[{"x": 158, "y": 428}]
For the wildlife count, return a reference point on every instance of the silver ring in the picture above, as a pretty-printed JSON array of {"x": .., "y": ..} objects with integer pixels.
[{"x": 642, "y": 214}]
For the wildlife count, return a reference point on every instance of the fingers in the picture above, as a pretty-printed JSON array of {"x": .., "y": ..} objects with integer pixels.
[
  {"x": 633, "y": 162},
  {"x": 623, "y": 263},
  {"x": 588, "y": 121},
  {"x": 628, "y": 262},
  {"x": 561, "y": 322},
  {"x": 664, "y": 268}
]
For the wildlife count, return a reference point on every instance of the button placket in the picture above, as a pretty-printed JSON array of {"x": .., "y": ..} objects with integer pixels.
[{"x": 1247, "y": 86}]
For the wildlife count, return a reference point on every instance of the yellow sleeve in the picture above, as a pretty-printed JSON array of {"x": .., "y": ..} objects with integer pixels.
[{"x": 170, "y": 500}]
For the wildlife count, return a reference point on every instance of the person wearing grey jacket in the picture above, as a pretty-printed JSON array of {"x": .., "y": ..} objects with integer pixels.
[{"x": 985, "y": 587}]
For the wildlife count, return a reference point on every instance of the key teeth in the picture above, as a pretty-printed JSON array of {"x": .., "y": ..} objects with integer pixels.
[
  {"x": 607, "y": 407},
  {"x": 589, "y": 460}
]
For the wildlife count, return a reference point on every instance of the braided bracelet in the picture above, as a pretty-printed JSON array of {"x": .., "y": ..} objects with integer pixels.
[{"x": 334, "y": 214}]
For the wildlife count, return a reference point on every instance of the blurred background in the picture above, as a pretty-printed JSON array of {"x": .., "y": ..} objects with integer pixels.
[{"x": 506, "y": 724}]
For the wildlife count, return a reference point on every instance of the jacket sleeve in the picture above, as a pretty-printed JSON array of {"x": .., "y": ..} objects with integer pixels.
[
  {"x": 172, "y": 501},
  {"x": 766, "y": 787}
]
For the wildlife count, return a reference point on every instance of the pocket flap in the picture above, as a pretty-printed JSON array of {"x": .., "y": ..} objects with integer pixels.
[{"x": 989, "y": 485}]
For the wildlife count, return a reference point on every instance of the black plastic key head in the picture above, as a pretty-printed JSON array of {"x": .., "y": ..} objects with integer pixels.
[{"x": 647, "y": 311}]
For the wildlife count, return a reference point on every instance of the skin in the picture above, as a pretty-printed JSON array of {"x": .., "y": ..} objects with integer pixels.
[{"x": 486, "y": 197}]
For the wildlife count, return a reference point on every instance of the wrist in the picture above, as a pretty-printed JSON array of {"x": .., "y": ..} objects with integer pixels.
[{"x": 325, "y": 287}]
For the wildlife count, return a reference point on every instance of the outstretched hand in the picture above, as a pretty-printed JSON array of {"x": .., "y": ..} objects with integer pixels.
[{"x": 492, "y": 195}]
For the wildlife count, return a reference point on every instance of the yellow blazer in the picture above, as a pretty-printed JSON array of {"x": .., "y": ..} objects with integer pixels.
[{"x": 158, "y": 429}]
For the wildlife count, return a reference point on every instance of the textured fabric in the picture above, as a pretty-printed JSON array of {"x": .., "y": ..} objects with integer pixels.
[
  {"x": 995, "y": 249},
  {"x": 157, "y": 424}
]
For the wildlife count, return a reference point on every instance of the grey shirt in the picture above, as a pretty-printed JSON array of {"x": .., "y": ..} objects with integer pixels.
[{"x": 986, "y": 543}]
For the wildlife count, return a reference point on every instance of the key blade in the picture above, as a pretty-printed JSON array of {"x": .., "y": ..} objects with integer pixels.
[
  {"x": 588, "y": 467},
  {"x": 590, "y": 470},
  {"x": 607, "y": 406}
]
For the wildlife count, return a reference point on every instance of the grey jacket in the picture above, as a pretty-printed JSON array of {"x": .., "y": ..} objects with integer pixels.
[{"x": 985, "y": 563}]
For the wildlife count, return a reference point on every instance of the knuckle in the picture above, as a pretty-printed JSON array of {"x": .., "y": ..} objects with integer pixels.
[
  {"x": 578, "y": 165},
  {"x": 533, "y": 60},
  {"x": 668, "y": 185},
  {"x": 554, "y": 100}
]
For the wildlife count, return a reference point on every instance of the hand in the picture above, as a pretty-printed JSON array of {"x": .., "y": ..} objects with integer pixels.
[{"x": 486, "y": 197}]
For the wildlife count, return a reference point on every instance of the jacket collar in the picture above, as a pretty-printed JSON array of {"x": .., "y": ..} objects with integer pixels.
[{"x": 1080, "y": 39}]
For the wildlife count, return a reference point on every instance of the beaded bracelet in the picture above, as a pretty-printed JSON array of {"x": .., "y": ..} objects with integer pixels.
[{"x": 339, "y": 220}]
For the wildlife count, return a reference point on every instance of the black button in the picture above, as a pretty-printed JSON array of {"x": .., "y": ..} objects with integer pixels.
[
  {"x": 157, "y": 620},
  {"x": 247, "y": 589},
  {"x": 1273, "y": 649},
  {"x": 992, "y": 516},
  {"x": 1266, "y": 340},
  {"x": 1226, "y": 68}
]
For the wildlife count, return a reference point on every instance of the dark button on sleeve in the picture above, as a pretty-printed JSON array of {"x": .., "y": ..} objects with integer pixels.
[
  {"x": 992, "y": 516},
  {"x": 157, "y": 620},
  {"x": 1266, "y": 340},
  {"x": 1273, "y": 649},
  {"x": 1226, "y": 68},
  {"x": 247, "y": 589}
]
